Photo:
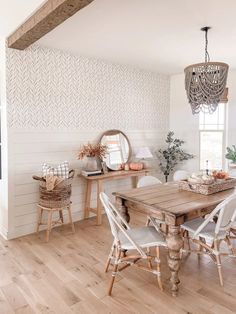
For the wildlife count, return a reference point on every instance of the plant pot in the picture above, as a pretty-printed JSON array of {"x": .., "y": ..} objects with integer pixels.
[
  {"x": 232, "y": 169},
  {"x": 92, "y": 164}
]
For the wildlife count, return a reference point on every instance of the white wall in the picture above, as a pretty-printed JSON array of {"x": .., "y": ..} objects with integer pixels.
[
  {"x": 182, "y": 122},
  {"x": 56, "y": 102},
  {"x": 4, "y": 145},
  {"x": 186, "y": 125}
]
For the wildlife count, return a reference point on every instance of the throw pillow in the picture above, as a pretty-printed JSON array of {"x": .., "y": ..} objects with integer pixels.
[{"x": 62, "y": 170}]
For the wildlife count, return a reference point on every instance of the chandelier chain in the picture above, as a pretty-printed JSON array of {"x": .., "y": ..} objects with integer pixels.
[{"x": 207, "y": 56}]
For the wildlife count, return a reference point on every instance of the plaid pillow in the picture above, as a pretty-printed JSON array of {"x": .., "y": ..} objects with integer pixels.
[{"x": 62, "y": 170}]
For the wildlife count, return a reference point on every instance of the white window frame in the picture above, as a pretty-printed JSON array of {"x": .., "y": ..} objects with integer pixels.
[{"x": 222, "y": 131}]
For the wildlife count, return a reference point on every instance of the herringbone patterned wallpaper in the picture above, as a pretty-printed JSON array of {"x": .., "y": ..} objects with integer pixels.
[{"x": 50, "y": 89}]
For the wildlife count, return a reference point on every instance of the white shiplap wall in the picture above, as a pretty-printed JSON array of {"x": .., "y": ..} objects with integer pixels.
[{"x": 56, "y": 102}]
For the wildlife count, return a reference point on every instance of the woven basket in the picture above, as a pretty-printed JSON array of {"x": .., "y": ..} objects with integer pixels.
[
  {"x": 208, "y": 189},
  {"x": 57, "y": 198}
]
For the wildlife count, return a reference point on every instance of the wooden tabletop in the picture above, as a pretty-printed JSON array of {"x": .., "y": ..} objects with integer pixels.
[
  {"x": 117, "y": 174},
  {"x": 168, "y": 198}
]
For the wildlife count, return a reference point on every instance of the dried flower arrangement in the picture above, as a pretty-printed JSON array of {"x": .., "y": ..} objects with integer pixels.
[{"x": 92, "y": 150}]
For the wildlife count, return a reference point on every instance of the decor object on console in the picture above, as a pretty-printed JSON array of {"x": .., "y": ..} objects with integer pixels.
[
  {"x": 205, "y": 83},
  {"x": 171, "y": 156},
  {"x": 136, "y": 166},
  {"x": 94, "y": 154},
  {"x": 143, "y": 154},
  {"x": 231, "y": 155},
  {"x": 54, "y": 196},
  {"x": 118, "y": 151}
]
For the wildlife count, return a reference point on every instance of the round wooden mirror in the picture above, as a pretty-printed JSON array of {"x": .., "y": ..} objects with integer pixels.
[{"x": 118, "y": 149}]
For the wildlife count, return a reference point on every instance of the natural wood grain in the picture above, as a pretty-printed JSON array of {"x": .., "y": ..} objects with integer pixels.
[
  {"x": 67, "y": 275},
  {"x": 99, "y": 181},
  {"x": 45, "y": 19},
  {"x": 117, "y": 175},
  {"x": 167, "y": 202}
]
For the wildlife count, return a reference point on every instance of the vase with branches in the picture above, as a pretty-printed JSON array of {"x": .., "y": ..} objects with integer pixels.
[
  {"x": 94, "y": 154},
  {"x": 172, "y": 155}
]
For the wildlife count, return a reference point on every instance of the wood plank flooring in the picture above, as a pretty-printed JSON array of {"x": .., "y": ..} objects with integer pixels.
[{"x": 67, "y": 275}]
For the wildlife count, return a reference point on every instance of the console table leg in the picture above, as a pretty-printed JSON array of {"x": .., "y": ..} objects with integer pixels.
[{"x": 87, "y": 199}]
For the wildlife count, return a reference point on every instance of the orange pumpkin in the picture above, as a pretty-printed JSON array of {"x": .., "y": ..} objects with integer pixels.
[{"x": 136, "y": 166}]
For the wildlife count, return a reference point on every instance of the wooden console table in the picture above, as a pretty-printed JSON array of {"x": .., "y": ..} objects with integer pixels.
[{"x": 99, "y": 180}]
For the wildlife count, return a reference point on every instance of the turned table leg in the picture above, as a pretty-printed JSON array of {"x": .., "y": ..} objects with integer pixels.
[
  {"x": 122, "y": 209},
  {"x": 174, "y": 243}
]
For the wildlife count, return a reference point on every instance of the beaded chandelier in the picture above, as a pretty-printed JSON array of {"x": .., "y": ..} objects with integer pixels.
[{"x": 205, "y": 82}]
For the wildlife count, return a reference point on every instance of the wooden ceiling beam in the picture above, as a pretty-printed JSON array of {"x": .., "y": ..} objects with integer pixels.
[{"x": 45, "y": 19}]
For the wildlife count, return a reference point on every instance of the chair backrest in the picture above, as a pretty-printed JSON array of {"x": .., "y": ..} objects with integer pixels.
[
  {"x": 180, "y": 175},
  {"x": 226, "y": 214},
  {"x": 226, "y": 211},
  {"x": 147, "y": 180},
  {"x": 117, "y": 223}
]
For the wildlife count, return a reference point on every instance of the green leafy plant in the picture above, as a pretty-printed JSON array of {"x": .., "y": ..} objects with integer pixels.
[
  {"x": 231, "y": 154},
  {"x": 172, "y": 155}
]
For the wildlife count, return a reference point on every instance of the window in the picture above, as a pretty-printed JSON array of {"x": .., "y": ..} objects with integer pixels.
[{"x": 212, "y": 138}]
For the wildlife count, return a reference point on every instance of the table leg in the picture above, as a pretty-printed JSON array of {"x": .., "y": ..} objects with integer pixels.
[
  {"x": 87, "y": 199},
  {"x": 122, "y": 209},
  {"x": 174, "y": 243},
  {"x": 99, "y": 204}
]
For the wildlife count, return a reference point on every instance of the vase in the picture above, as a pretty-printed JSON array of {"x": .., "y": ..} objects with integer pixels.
[
  {"x": 232, "y": 169},
  {"x": 92, "y": 164}
]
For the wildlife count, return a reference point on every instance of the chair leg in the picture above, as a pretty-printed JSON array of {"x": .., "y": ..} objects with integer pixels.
[
  {"x": 230, "y": 245},
  {"x": 70, "y": 219},
  {"x": 118, "y": 254},
  {"x": 218, "y": 261},
  {"x": 148, "y": 260},
  {"x": 49, "y": 225},
  {"x": 40, "y": 214},
  {"x": 159, "y": 268},
  {"x": 109, "y": 258},
  {"x": 148, "y": 221},
  {"x": 61, "y": 216}
]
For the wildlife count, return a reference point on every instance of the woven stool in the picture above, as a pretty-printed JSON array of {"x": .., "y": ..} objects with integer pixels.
[{"x": 51, "y": 223}]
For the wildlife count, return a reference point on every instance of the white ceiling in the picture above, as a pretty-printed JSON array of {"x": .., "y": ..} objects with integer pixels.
[
  {"x": 158, "y": 35},
  {"x": 14, "y": 12}
]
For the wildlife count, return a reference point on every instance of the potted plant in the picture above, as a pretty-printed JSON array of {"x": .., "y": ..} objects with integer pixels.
[
  {"x": 231, "y": 155},
  {"x": 94, "y": 154},
  {"x": 172, "y": 155}
]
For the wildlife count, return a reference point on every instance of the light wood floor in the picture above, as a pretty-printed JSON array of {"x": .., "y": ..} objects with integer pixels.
[{"x": 67, "y": 275}]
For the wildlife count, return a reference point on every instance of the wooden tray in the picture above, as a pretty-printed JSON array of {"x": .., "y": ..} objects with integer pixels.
[{"x": 207, "y": 189}]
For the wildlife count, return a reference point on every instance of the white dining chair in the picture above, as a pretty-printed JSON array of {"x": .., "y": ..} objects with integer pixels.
[
  {"x": 233, "y": 230},
  {"x": 147, "y": 180},
  {"x": 180, "y": 175},
  {"x": 209, "y": 235},
  {"x": 136, "y": 240}
]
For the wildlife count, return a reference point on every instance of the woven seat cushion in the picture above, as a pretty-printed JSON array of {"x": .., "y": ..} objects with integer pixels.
[
  {"x": 61, "y": 170},
  {"x": 143, "y": 236},
  {"x": 207, "y": 232}
]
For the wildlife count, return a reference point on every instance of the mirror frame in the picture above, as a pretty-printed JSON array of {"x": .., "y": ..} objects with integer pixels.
[{"x": 114, "y": 132}]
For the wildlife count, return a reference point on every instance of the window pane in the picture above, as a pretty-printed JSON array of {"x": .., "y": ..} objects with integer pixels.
[
  {"x": 211, "y": 118},
  {"x": 211, "y": 149},
  {"x": 222, "y": 114}
]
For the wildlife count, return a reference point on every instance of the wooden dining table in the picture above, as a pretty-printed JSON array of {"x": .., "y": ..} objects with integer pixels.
[{"x": 174, "y": 206}]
